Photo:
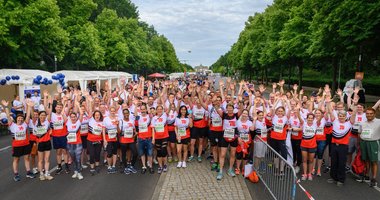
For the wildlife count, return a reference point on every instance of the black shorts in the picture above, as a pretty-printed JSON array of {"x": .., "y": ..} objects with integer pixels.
[
  {"x": 224, "y": 143},
  {"x": 184, "y": 141},
  {"x": 21, "y": 151},
  {"x": 172, "y": 137},
  {"x": 215, "y": 137},
  {"x": 279, "y": 146},
  {"x": 309, "y": 150},
  {"x": 111, "y": 149},
  {"x": 84, "y": 141},
  {"x": 60, "y": 142},
  {"x": 197, "y": 133},
  {"x": 241, "y": 156},
  {"x": 44, "y": 146}
]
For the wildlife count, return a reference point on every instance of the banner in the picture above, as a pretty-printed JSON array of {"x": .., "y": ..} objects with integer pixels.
[{"x": 31, "y": 89}]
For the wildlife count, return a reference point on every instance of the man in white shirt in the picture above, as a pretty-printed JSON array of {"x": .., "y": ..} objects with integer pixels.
[
  {"x": 369, "y": 144},
  {"x": 36, "y": 99}
]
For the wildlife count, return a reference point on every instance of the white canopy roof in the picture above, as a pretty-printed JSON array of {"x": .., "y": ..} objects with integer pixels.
[
  {"x": 26, "y": 75},
  {"x": 93, "y": 75}
]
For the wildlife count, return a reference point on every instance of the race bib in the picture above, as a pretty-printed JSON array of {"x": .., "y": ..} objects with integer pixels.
[
  {"x": 366, "y": 134},
  {"x": 128, "y": 133},
  {"x": 244, "y": 137},
  {"x": 72, "y": 137},
  {"x": 84, "y": 128},
  {"x": 20, "y": 135},
  {"x": 278, "y": 127},
  {"x": 198, "y": 115},
  {"x": 40, "y": 131},
  {"x": 309, "y": 132},
  {"x": 58, "y": 125},
  {"x": 112, "y": 133},
  {"x": 319, "y": 131},
  {"x": 356, "y": 126},
  {"x": 294, "y": 133},
  {"x": 143, "y": 127},
  {"x": 159, "y": 127},
  {"x": 182, "y": 131},
  {"x": 217, "y": 121},
  {"x": 229, "y": 133},
  {"x": 97, "y": 131}
]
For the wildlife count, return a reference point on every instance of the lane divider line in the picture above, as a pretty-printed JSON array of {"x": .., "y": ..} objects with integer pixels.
[{"x": 5, "y": 148}]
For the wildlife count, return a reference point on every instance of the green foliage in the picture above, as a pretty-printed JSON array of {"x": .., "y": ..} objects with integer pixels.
[
  {"x": 82, "y": 34},
  {"x": 308, "y": 37}
]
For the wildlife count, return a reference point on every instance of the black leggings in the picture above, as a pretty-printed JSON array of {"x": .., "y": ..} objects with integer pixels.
[
  {"x": 94, "y": 149},
  {"x": 297, "y": 155},
  {"x": 124, "y": 148},
  {"x": 161, "y": 145}
]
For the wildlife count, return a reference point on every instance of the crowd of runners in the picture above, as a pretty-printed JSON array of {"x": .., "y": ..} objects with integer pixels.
[{"x": 164, "y": 121}]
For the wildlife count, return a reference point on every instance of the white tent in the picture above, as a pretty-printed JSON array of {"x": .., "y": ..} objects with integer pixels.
[
  {"x": 82, "y": 77},
  {"x": 16, "y": 87}
]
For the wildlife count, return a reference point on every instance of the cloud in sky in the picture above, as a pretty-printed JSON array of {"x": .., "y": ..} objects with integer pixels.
[{"x": 207, "y": 28}]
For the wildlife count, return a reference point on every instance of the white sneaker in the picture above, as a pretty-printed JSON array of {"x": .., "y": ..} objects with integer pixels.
[
  {"x": 84, "y": 166},
  {"x": 179, "y": 164},
  {"x": 34, "y": 170},
  {"x": 75, "y": 175},
  {"x": 80, "y": 177},
  {"x": 183, "y": 164},
  {"x": 155, "y": 161}
]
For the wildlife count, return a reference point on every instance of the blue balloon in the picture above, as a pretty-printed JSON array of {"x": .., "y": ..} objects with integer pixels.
[
  {"x": 63, "y": 76},
  {"x": 13, "y": 77},
  {"x": 3, "y": 82},
  {"x": 53, "y": 77},
  {"x": 8, "y": 78},
  {"x": 45, "y": 79},
  {"x": 17, "y": 77},
  {"x": 4, "y": 121},
  {"x": 39, "y": 77},
  {"x": 50, "y": 82}
]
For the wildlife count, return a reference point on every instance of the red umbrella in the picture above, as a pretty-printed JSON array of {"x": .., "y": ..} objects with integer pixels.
[{"x": 157, "y": 75}]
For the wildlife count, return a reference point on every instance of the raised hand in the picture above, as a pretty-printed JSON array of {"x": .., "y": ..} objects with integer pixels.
[
  {"x": 339, "y": 92},
  {"x": 356, "y": 90},
  {"x": 5, "y": 103},
  {"x": 295, "y": 87},
  {"x": 274, "y": 85},
  {"x": 46, "y": 93},
  {"x": 281, "y": 82},
  {"x": 301, "y": 92}
]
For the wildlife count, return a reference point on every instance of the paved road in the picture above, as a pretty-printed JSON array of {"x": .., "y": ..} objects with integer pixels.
[{"x": 101, "y": 186}]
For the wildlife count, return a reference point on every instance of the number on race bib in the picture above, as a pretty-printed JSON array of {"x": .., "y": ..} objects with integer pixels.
[
  {"x": 143, "y": 127},
  {"x": 159, "y": 127},
  {"x": 366, "y": 134},
  {"x": 216, "y": 121},
  {"x": 112, "y": 133},
  {"x": 40, "y": 131},
  {"x": 264, "y": 133},
  {"x": 198, "y": 115},
  {"x": 244, "y": 137},
  {"x": 128, "y": 133},
  {"x": 229, "y": 133},
  {"x": 309, "y": 132},
  {"x": 58, "y": 125},
  {"x": 97, "y": 131},
  {"x": 84, "y": 128},
  {"x": 319, "y": 131},
  {"x": 278, "y": 127},
  {"x": 20, "y": 135}
]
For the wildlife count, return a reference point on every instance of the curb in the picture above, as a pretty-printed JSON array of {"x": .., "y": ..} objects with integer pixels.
[
  {"x": 244, "y": 186},
  {"x": 160, "y": 183}
]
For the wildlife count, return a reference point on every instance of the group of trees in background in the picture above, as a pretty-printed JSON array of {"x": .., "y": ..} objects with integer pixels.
[
  {"x": 82, "y": 35},
  {"x": 308, "y": 41}
]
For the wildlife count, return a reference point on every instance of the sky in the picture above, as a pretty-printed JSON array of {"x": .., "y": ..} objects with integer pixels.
[{"x": 200, "y": 30}]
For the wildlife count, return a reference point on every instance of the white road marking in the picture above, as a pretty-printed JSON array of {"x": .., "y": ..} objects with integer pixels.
[{"x": 5, "y": 148}]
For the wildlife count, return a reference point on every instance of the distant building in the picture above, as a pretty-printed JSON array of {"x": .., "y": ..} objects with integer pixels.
[{"x": 203, "y": 70}]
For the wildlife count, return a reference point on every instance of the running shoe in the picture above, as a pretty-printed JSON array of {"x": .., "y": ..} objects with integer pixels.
[
  {"x": 327, "y": 169},
  {"x": 80, "y": 176},
  {"x": 304, "y": 177},
  {"x": 191, "y": 158},
  {"x": 75, "y": 175},
  {"x": 17, "y": 178},
  {"x": 97, "y": 169},
  {"x": 84, "y": 166},
  {"x": 175, "y": 159},
  {"x": 179, "y": 165},
  {"x": 348, "y": 169},
  {"x": 219, "y": 176},
  {"x": 165, "y": 169},
  {"x": 310, "y": 177},
  {"x": 373, "y": 183},
  {"x": 155, "y": 161},
  {"x": 237, "y": 171},
  {"x": 35, "y": 170},
  {"x": 339, "y": 184},
  {"x": 214, "y": 166},
  {"x": 184, "y": 164},
  {"x": 151, "y": 170},
  {"x": 109, "y": 170},
  {"x": 330, "y": 180},
  {"x": 49, "y": 177},
  {"x": 231, "y": 173},
  {"x": 159, "y": 170},
  {"x": 170, "y": 159},
  {"x": 67, "y": 170},
  {"x": 58, "y": 170},
  {"x": 92, "y": 172},
  {"x": 143, "y": 170},
  {"x": 30, "y": 175},
  {"x": 127, "y": 171},
  {"x": 199, "y": 159},
  {"x": 42, "y": 177},
  {"x": 132, "y": 169}
]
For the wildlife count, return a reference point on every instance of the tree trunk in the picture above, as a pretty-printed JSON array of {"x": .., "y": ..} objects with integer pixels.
[
  {"x": 300, "y": 69},
  {"x": 289, "y": 75},
  {"x": 335, "y": 73},
  {"x": 266, "y": 76},
  {"x": 262, "y": 76}
]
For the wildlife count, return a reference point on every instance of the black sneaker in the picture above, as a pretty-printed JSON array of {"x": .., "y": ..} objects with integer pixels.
[
  {"x": 348, "y": 169},
  {"x": 363, "y": 179},
  {"x": 326, "y": 170},
  {"x": 373, "y": 183},
  {"x": 151, "y": 170},
  {"x": 30, "y": 175},
  {"x": 67, "y": 170},
  {"x": 143, "y": 170},
  {"x": 92, "y": 172},
  {"x": 17, "y": 178},
  {"x": 58, "y": 170},
  {"x": 97, "y": 169}
]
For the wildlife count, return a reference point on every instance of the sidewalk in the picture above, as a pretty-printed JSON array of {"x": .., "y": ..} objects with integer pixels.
[{"x": 197, "y": 181}]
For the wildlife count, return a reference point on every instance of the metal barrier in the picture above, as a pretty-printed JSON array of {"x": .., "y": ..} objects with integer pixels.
[{"x": 278, "y": 176}]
